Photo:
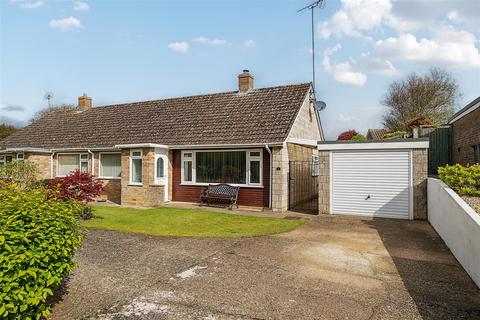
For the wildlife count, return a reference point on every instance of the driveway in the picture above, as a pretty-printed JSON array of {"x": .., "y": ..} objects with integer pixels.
[{"x": 331, "y": 268}]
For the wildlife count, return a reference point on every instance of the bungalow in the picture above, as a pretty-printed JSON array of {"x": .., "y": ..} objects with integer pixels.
[{"x": 148, "y": 153}]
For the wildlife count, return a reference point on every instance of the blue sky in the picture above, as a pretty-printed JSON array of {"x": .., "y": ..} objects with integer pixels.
[{"x": 121, "y": 51}]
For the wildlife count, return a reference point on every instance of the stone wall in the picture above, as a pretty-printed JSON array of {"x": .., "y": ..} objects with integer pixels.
[
  {"x": 280, "y": 179},
  {"x": 420, "y": 175},
  {"x": 148, "y": 194},
  {"x": 306, "y": 124},
  {"x": 466, "y": 134},
  {"x": 42, "y": 160},
  {"x": 324, "y": 182}
]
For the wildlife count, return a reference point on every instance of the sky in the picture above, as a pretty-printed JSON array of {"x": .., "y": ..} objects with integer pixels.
[{"x": 125, "y": 51}]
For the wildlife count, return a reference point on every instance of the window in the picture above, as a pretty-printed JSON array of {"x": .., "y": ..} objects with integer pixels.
[
  {"x": 3, "y": 160},
  {"x": 187, "y": 167},
  {"x": 315, "y": 166},
  {"x": 255, "y": 174},
  {"x": 160, "y": 168},
  {"x": 110, "y": 165},
  {"x": 476, "y": 153},
  {"x": 136, "y": 166},
  {"x": 239, "y": 167},
  {"x": 67, "y": 163},
  {"x": 20, "y": 156}
]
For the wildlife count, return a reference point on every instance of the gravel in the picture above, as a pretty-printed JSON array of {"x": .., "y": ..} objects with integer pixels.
[{"x": 473, "y": 202}]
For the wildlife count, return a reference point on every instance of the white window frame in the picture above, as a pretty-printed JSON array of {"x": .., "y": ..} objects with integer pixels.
[
  {"x": 3, "y": 160},
  {"x": 21, "y": 156},
  {"x": 80, "y": 160},
  {"x": 131, "y": 158},
  {"x": 248, "y": 159},
  {"x": 100, "y": 173}
]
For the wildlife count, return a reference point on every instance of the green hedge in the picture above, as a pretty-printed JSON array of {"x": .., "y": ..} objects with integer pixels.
[
  {"x": 38, "y": 239},
  {"x": 464, "y": 180}
]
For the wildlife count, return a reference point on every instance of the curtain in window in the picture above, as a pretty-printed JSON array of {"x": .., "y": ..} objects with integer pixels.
[
  {"x": 111, "y": 165},
  {"x": 221, "y": 167},
  {"x": 68, "y": 163}
]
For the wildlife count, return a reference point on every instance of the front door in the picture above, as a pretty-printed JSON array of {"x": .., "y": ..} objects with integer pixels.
[{"x": 161, "y": 172}]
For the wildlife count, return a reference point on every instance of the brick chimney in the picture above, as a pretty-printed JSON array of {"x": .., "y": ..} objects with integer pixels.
[
  {"x": 245, "y": 81},
  {"x": 84, "y": 102}
]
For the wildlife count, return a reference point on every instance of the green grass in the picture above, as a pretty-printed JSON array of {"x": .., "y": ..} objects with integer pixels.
[{"x": 177, "y": 222}]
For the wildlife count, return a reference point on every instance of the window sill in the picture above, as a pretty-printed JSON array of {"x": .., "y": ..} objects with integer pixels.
[
  {"x": 207, "y": 184},
  {"x": 108, "y": 178},
  {"x": 135, "y": 184}
]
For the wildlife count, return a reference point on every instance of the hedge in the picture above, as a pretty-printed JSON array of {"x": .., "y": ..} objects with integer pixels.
[
  {"x": 464, "y": 180},
  {"x": 38, "y": 239}
]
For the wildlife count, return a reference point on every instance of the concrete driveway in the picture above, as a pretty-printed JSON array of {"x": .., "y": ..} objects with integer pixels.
[{"x": 331, "y": 268}]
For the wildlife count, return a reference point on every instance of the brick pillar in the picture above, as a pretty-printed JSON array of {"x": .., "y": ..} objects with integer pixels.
[
  {"x": 324, "y": 182},
  {"x": 280, "y": 179}
]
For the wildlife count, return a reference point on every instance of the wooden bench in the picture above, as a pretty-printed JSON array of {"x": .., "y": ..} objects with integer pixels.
[{"x": 220, "y": 193}]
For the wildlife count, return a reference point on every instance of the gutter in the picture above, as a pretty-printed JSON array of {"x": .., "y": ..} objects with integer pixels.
[
  {"x": 270, "y": 181},
  {"x": 225, "y": 146}
]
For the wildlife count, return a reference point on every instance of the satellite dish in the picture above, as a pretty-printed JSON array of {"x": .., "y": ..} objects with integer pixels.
[{"x": 320, "y": 105}]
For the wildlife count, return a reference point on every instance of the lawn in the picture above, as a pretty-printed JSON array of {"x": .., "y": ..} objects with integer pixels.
[{"x": 179, "y": 222}]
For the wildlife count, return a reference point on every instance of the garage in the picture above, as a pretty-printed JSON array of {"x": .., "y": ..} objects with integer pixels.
[{"x": 377, "y": 179}]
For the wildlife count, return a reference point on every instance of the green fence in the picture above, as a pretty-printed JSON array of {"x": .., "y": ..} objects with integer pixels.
[{"x": 440, "y": 150}]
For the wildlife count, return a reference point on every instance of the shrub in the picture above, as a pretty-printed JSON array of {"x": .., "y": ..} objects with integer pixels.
[
  {"x": 23, "y": 173},
  {"x": 464, "y": 180},
  {"x": 38, "y": 239},
  {"x": 78, "y": 186},
  {"x": 359, "y": 137},
  {"x": 347, "y": 135}
]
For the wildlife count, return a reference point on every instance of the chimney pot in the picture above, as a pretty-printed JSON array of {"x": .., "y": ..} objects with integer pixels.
[
  {"x": 84, "y": 102},
  {"x": 245, "y": 81}
]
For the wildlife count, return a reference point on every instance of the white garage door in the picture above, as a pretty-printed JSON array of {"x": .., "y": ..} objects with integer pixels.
[{"x": 372, "y": 183}]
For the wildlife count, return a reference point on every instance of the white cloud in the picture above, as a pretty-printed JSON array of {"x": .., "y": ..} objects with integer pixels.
[
  {"x": 65, "y": 24},
  {"x": 81, "y": 6},
  {"x": 213, "y": 42},
  {"x": 31, "y": 5},
  {"x": 247, "y": 44},
  {"x": 342, "y": 72},
  {"x": 181, "y": 47},
  {"x": 370, "y": 64},
  {"x": 346, "y": 119},
  {"x": 355, "y": 16},
  {"x": 448, "y": 47}
]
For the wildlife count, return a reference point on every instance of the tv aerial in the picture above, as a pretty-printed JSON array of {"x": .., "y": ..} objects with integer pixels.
[{"x": 48, "y": 96}]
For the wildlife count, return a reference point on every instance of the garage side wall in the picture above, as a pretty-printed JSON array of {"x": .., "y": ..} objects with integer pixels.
[
  {"x": 324, "y": 182},
  {"x": 420, "y": 175}
]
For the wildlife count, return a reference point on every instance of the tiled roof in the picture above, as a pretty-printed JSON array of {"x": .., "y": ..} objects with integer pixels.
[
  {"x": 262, "y": 115},
  {"x": 460, "y": 113},
  {"x": 376, "y": 134}
]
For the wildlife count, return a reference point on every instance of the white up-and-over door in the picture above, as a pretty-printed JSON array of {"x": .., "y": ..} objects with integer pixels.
[{"x": 371, "y": 183}]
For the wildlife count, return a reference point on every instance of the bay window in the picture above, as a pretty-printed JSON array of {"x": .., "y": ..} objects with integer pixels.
[
  {"x": 136, "y": 166},
  {"x": 67, "y": 163},
  {"x": 110, "y": 165},
  {"x": 238, "y": 167}
]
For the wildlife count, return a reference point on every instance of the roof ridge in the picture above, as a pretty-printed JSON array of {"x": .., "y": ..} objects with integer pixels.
[{"x": 199, "y": 95}]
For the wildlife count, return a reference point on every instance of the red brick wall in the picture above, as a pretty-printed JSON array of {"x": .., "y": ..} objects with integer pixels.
[
  {"x": 255, "y": 197},
  {"x": 466, "y": 133}
]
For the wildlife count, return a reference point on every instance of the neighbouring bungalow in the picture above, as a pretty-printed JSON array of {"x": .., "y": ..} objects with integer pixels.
[{"x": 147, "y": 153}]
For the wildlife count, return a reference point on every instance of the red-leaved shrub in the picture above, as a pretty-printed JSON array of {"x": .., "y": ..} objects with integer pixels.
[
  {"x": 347, "y": 135},
  {"x": 77, "y": 185}
]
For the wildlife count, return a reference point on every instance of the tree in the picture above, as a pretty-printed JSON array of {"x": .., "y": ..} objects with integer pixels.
[
  {"x": 432, "y": 96},
  {"x": 6, "y": 130},
  {"x": 347, "y": 135},
  {"x": 62, "y": 108}
]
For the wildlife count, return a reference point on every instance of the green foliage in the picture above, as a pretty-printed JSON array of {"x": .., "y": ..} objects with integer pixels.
[
  {"x": 395, "y": 134},
  {"x": 6, "y": 130},
  {"x": 359, "y": 137},
  {"x": 23, "y": 173},
  {"x": 464, "y": 180},
  {"x": 38, "y": 239}
]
